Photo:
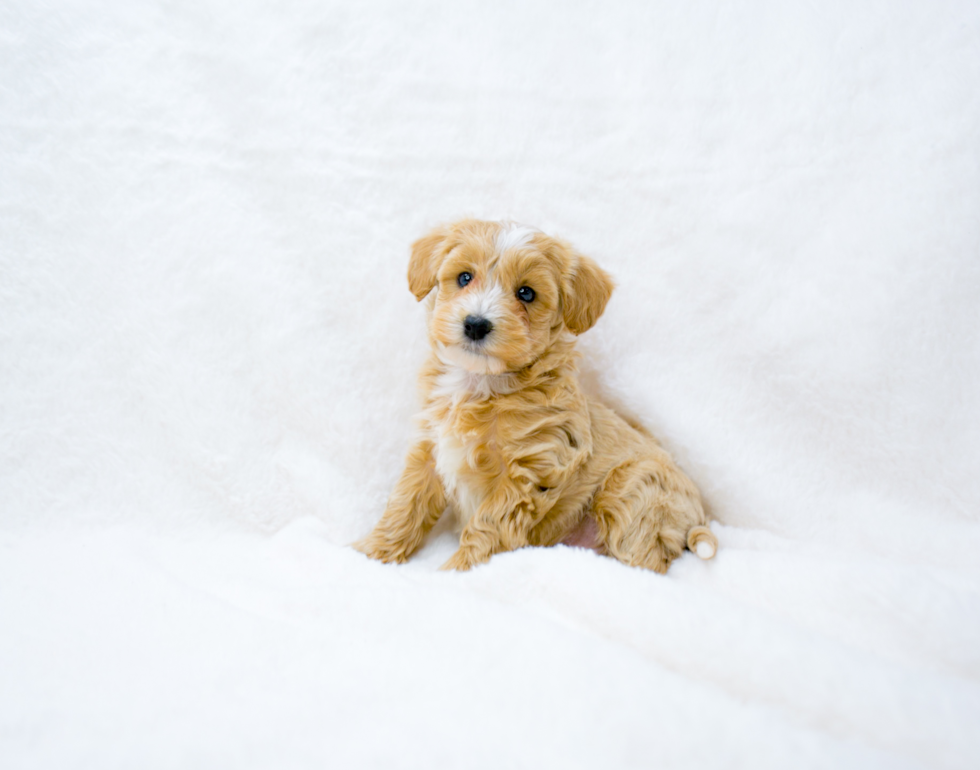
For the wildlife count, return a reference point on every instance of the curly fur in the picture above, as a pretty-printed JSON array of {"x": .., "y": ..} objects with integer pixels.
[{"x": 509, "y": 441}]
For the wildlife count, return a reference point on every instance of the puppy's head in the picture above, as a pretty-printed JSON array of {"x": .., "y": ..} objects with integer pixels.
[{"x": 501, "y": 294}]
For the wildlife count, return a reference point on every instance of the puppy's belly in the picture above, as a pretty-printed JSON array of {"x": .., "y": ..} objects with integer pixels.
[
  {"x": 585, "y": 535},
  {"x": 464, "y": 504}
]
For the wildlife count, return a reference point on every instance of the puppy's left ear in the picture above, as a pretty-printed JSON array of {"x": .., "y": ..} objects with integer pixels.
[
  {"x": 427, "y": 255},
  {"x": 585, "y": 290}
]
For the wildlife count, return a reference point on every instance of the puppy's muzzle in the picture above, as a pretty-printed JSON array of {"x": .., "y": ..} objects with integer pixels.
[{"x": 476, "y": 328}]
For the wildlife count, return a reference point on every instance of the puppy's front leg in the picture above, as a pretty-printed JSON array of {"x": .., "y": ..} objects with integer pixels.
[
  {"x": 501, "y": 523},
  {"x": 416, "y": 504}
]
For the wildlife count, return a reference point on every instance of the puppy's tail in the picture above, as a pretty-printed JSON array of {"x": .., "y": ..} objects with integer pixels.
[{"x": 703, "y": 542}]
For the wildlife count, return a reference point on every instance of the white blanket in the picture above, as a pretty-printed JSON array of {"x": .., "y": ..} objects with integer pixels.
[{"x": 208, "y": 355}]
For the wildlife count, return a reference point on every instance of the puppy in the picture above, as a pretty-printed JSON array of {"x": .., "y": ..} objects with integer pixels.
[{"x": 509, "y": 441}]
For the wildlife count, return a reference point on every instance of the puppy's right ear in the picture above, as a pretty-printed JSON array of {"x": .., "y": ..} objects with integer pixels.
[{"x": 427, "y": 255}]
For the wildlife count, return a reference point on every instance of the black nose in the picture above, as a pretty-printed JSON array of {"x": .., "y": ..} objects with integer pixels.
[{"x": 476, "y": 328}]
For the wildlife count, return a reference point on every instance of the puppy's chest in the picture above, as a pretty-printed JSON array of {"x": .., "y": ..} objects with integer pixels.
[
  {"x": 468, "y": 458},
  {"x": 465, "y": 489}
]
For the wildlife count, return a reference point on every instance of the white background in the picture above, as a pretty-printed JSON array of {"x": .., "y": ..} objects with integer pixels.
[{"x": 207, "y": 380}]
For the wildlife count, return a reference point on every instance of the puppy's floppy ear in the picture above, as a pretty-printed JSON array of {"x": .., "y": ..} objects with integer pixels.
[
  {"x": 585, "y": 290},
  {"x": 427, "y": 255}
]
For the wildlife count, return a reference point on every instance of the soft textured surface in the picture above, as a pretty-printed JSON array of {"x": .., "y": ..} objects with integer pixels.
[{"x": 208, "y": 355}]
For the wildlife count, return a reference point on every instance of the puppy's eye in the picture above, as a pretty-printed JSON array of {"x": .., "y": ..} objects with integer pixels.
[
  {"x": 463, "y": 278},
  {"x": 526, "y": 294}
]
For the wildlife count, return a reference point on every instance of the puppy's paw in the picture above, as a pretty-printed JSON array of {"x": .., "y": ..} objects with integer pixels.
[
  {"x": 648, "y": 548},
  {"x": 381, "y": 549},
  {"x": 460, "y": 561}
]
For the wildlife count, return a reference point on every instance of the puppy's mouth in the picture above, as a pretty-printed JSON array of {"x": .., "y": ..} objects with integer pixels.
[
  {"x": 476, "y": 348},
  {"x": 471, "y": 356}
]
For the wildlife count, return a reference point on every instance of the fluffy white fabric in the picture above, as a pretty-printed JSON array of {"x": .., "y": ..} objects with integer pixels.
[{"x": 208, "y": 355}]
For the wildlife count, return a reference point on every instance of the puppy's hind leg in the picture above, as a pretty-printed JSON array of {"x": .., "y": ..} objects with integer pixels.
[
  {"x": 644, "y": 511},
  {"x": 413, "y": 508}
]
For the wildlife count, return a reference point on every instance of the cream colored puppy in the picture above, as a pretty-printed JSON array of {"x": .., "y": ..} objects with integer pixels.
[{"x": 509, "y": 440}]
